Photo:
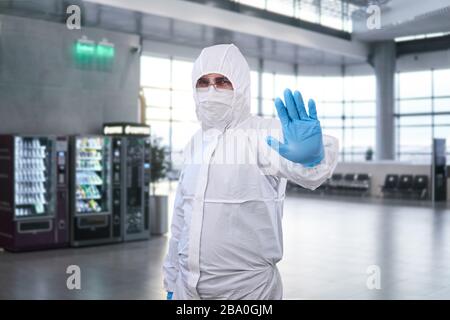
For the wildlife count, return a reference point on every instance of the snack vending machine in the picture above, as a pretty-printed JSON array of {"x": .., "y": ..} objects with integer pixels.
[
  {"x": 131, "y": 179},
  {"x": 91, "y": 213},
  {"x": 33, "y": 192},
  {"x": 131, "y": 183}
]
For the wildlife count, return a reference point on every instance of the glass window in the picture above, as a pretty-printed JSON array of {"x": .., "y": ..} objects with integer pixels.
[
  {"x": 311, "y": 88},
  {"x": 358, "y": 157},
  {"x": 415, "y": 121},
  {"x": 183, "y": 99},
  {"x": 307, "y": 11},
  {"x": 442, "y": 105},
  {"x": 415, "y": 84},
  {"x": 285, "y": 7},
  {"x": 157, "y": 113},
  {"x": 170, "y": 107},
  {"x": 157, "y": 97},
  {"x": 333, "y": 14},
  {"x": 184, "y": 114},
  {"x": 361, "y": 88},
  {"x": 360, "y": 138},
  {"x": 268, "y": 108},
  {"x": 415, "y": 139},
  {"x": 351, "y": 96},
  {"x": 181, "y": 75},
  {"x": 415, "y": 106},
  {"x": 442, "y": 119},
  {"x": 442, "y": 132},
  {"x": 348, "y": 24},
  {"x": 254, "y": 80},
  {"x": 363, "y": 122},
  {"x": 424, "y": 92},
  {"x": 441, "y": 82},
  {"x": 155, "y": 72},
  {"x": 254, "y": 106},
  {"x": 328, "y": 109},
  {"x": 331, "y": 89},
  {"x": 254, "y": 3},
  {"x": 331, "y": 122},
  {"x": 360, "y": 109},
  {"x": 283, "y": 81},
  {"x": 267, "y": 85},
  {"x": 332, "y": 22}
]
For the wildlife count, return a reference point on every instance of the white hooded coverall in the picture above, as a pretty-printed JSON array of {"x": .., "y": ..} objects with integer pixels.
[{"x": 226, "y": 232}]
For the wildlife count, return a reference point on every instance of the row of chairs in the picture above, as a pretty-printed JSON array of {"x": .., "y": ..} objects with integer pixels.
[
  {"x": 405, "y": 186},
  {"x": 359, "y": 182}
]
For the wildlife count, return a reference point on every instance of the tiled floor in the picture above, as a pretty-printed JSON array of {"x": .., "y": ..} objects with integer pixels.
[{"x": 329, "y": 245}]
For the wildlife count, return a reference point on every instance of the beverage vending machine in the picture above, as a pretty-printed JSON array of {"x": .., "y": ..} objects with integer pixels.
[
  {"x": 91, "y": 213},
  {"x": 33, "y": 192},
  {"x": 131, "y": 178}
]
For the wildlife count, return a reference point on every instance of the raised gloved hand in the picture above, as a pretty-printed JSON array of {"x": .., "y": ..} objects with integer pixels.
[
  {"x": 302, "y": 132},
  {"x": 169, "y": 295}
]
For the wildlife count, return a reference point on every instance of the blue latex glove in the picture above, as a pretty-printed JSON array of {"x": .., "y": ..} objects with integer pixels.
[
  {"x": 302, "y": 132},
  {"x": 169, "y": 295}
]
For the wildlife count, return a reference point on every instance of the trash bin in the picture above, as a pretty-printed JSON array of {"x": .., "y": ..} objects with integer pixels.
[{"x": 159, "y": 220}]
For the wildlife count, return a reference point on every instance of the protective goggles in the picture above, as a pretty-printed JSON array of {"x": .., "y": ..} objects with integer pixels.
[{"x": 218, "y": 83}]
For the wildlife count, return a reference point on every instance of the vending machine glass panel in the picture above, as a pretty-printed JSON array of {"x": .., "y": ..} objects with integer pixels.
[
  {"x": 33, "y": 190},
  {"x": 92, "y": 176}
]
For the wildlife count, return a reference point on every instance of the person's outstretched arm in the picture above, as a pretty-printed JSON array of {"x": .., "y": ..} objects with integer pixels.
[{"x": 295, "y": 148}]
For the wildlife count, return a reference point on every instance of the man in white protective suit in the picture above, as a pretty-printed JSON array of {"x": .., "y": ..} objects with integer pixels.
[{"x": 226, "y": 233}]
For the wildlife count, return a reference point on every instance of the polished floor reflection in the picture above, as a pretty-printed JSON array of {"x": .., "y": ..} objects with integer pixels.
[
  {"x": 333, "y": 249},
  {"x": 332, "y": 246}
]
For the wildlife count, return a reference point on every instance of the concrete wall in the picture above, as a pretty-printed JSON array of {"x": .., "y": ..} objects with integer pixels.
[{"x": 43, "y": 91}]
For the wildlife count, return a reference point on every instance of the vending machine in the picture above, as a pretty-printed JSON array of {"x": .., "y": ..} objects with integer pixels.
[
  {"x": 91, "y": 211},
  {"x": 131, "y": 178},
  {"x": 439, "y": 171},
  {"x": 33, "y": 192}
]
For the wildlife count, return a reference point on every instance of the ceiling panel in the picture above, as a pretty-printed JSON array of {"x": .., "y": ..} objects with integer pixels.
[{"x": 153, "y": 27}]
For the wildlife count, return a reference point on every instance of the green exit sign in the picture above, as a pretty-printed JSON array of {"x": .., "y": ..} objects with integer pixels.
[
  {"x": 88, "y": 54},
  {"x": 84, "y": 49},
  {"x": 105, "y": 51}
]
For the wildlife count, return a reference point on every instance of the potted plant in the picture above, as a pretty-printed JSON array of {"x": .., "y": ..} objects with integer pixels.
[
  {"x": 369, "y": 154},
  {"x": 159, "y": 223}
]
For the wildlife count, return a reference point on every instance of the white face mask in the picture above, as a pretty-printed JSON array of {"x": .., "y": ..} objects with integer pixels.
[{"x": 214, "y": 107}]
